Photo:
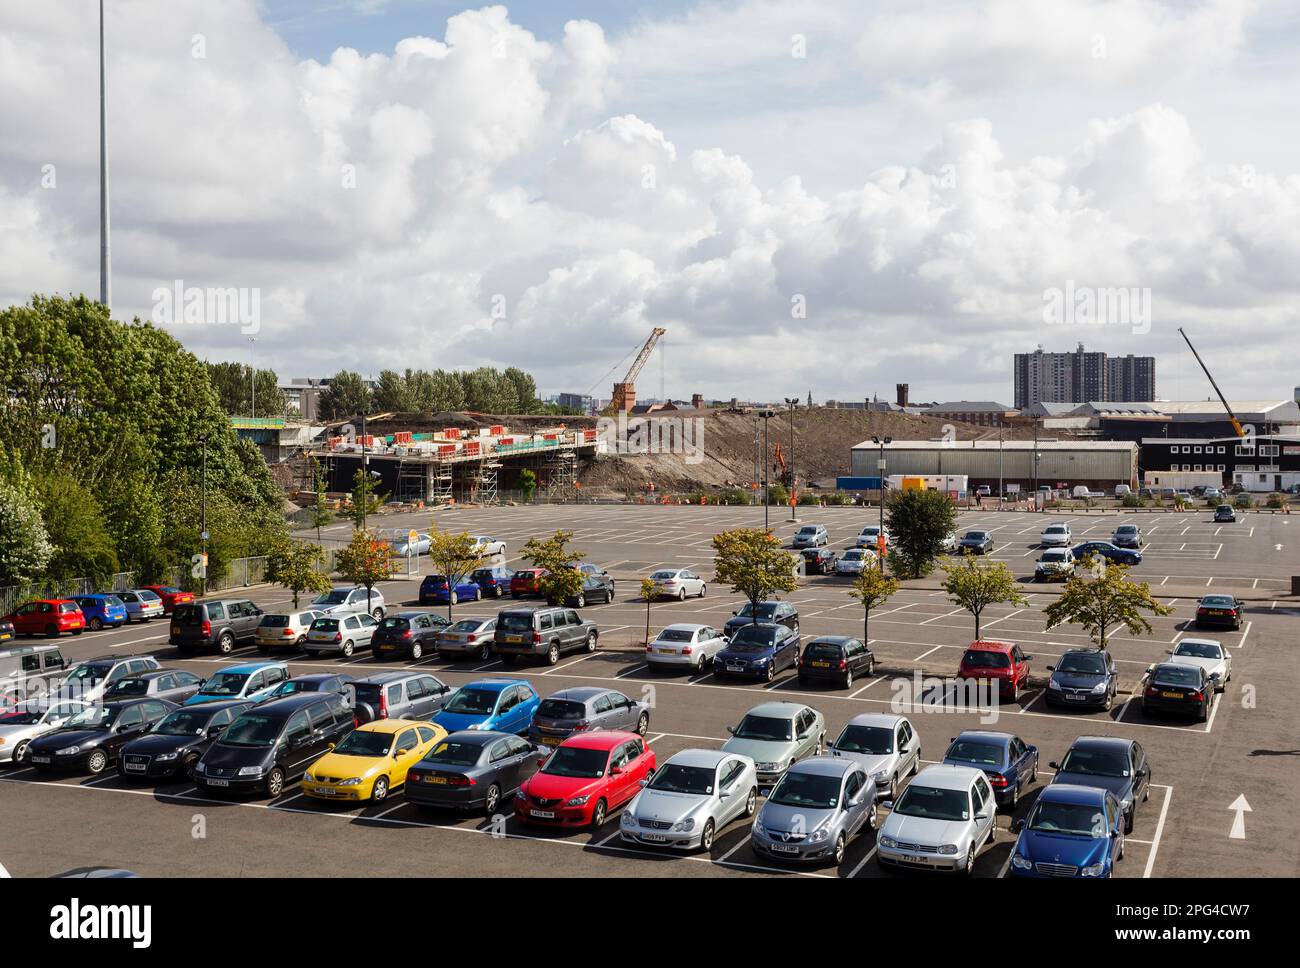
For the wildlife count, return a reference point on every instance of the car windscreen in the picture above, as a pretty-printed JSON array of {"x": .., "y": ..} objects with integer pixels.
[
  {"x": 764, "y": 728},
  {"x": 336, "y": 597},
  {"x": 676, "y": 635},
  {"x": 515, "y": 622},
  {"x": 467, "y": 625},
  {"x": 128, "y": 687},
  {"x": 866, "y": 739},
  {"x": 824, "y": 650},
  {"x": 1217, "y": 601},
  {"x": 253, "y": 729},
  {"x": 1078, "y": 819},
  {"x": 973, "y": 751},
  {"x": 453, "y": 753},
  {"x": 275, "y": 621},
  {"x": 764, "y": 611},
  {"x": 483, "y": 574},
  {"x": 811, "y": 790},
  {"x": 473, "y": 701},
  {"x": 808, "y": 530},
  {"x": 754, "y": 638},
  {"x": 675, "y": 778},
  {"x": 978, "y": 659},
  {"x": 976, "y": 535},
  {"x": 1082, "y": 663},
  {"x": 1199, "y": 650},
  {"x": 1126, "y": 529},
  {"x": 1054, "y": 556},
  {"x": 292, "y": 686},
  {"x": 577, "y": 762},
  {"x": 226, "y": 684},
  {"x": 853, "y": 555},
  {"x": 663, "y": 576},
  {"x": 1091, "y": 761},
  {"x": 92, "y": 717},
  {"x": 184, "y": 722},
  {"x": 188, "y": 614},
  {"x": 561, "y": 709},
  {"x": 89, "y": 672},
  {"x": 933, "y": 803},
  {"x": 1173, "y": 675},
  {"x": 395, "y": 622},
  {"x": 365, "y": 742},
  {"x": 325, "y": 625}
]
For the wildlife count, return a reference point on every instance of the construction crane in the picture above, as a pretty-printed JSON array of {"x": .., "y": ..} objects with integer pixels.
[
  {"x": 1236, "y": 424},
  {"x": 625, "y": 392}
]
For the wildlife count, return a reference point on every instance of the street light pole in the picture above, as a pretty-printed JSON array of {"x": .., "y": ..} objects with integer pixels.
[
  {"x": 767, "y": 467},
  {"x": 999, "y": 470},
  {"x": 105, "y": 258},
  {"x": 880, "y": 470},
  {"x": 203, "y": 514},
  {"x": 792, "y": 402},
  {"x": 252, "y": 372}
]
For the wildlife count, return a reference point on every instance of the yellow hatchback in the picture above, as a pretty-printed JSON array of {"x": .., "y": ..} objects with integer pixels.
[{"x": 371, "y": 760}]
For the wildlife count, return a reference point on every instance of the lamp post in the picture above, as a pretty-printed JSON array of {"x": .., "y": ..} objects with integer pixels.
[
  {"x": 767, "y": 466},
  {"x": 880, "y": 470},
  {"x": 999, "y": 470},
  {"x": 792, "y": 402},
  {"x": 105, "y": 252},
  {"x": 252, "y": 372},
  {"x": 203, "y": 515}
]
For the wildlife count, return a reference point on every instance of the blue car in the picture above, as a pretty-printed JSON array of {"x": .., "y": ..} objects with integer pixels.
[
  {"x": 253, "y": 681},
  {"x": 434, "y": 590},
  {"x": 493, "y": 582},
  {"x": 1008, "y": 761},
  {"x": 502, "y": 705},
  {"x": 1104, "y": 549},
  {"x": 102, "y": 610},
  {"x": 1072, "y": 831},
  {"x": 758, "y": 651}
]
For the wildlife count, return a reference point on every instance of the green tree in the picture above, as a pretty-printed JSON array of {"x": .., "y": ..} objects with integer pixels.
[
  {"x": 527, "y": 484},
  {"x": 25, "y": 548},
  {"x": 455, "y": 557},
  {"x": 647, "y": 595},
  {"x": 346, "y": 396},
  {"x": 447, "y": 392},
  {"x": 296, "y": 567},
  {"x": 82, "y": 545},
  {"x": 975, "y": 586},
  {"x": 320, "y": 512},
  {"x": 753, "y": 563},
  {"x": 871, "y": 587},
  {"x": 365, "y": 501},
  {"x": 919, "y": 521},
  {"x": 560, "y": 579},
  {"x": 1102, "y": 596},
  {"x": 234, "y": 383},
  {"x": 521, "y": 389},
  {"x": 364, "y": 561},
  {"x": 392, "y": 393}
]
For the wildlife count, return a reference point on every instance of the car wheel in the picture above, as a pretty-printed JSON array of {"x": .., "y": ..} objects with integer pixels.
[
  {"x": 582, "y": 601},
  {"x": 681, "y": 595},
  {"x": 97, "y": 761},
  {"x": 20, "y": 752},
  {"x": 275, "y": 782},
  {"x": 417, "y": 650},
  {"x": 839, "y": 850},
  {"x": 379, "y": 792},
  {"x": 751, "y": 801},
  {"x": 598, "y": 814},
  {"x": 969, "y": 869},
  {"x": 591, "y": 642},
  {"x": 347, "y": 649},
  {"x": 493, "y": 799},
  {"x": 821, "y": 744},
  {"x": 1120, "y": 855},
  {"x": 848, "y": 678},
  {"x": 52, "y": 631},
  {"x": 771, "y": 672},
  {"x": 377, "y": 614},
  {"x": 484, "y": 652},
  {"x": 499, "y": 592},
  {"x": 96, "y": 624},
  {"x": 1015, "y": 797},
  {"x": 706, "y": 836},
  {"x": 553, "y": 655},
  {"x": 643, "y": 724},
  {"x": 301, "y": 639},
  {"x": 226, "y": 644},
  {"x": 1128, "y": 822}
]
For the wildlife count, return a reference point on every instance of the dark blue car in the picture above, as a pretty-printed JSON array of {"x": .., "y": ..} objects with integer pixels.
[
  {"x": 1104, "y": 549},
  {"x": 1072, "y": 831},
  {"x": 500, "y": 705},
  {"x": 492, "y": 582},
  {"x": 102, "y": 610},
  {"x": 436, "y": 590},
  {"x": 758, "y": 651},
  {"x": 1007, "y": 760}
]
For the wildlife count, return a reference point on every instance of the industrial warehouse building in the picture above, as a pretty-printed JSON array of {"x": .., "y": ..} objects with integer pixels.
[{"x": 1096, "y": 464}]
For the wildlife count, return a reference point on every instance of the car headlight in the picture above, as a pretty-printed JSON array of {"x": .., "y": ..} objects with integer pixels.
[
  {"x": 1053, "y": 684},
  {"x": 308, "y": 777},
  {"x": 68, "y": 751},
  {"x": 818, "y": 835},
  {"x": 521, "y": 795},
  {"x": 577, "y": 801},
  {"x": 948, "y": 849},
  {"x": 685, "y": 825},
  {"x": 627, "y": 820},
  {"x": 1023, "y": 863},
  {"x": 250, "y": 771},
  {"x": 880, "y": 776},
  {"x": 1099, "y": 687},
  {"x": 768, "y": 767},
  {"x": 351, "y": 781},
  {"x": 887, "y": 842},
  {"x": 474, "y": 726},
  {"x": 163, "y": 757},
  {"x": 199, "y": 768},
  {"x": 1096, "y": 870}
]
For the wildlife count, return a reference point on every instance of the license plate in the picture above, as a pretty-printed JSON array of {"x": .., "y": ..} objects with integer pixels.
[
  {"x": 1172, "y": 695},
  {"x": 40, "y": 759},
  {"x": 654, "y": 838},
  {"x": 543, "y": 814},
  {"x": 323, "y": 791},
  {"x": 666, "y": 651},
  {"x": 550, "y": 741},
  {"x": 219, "y": 783},
  {"x": 735, "y": 668},
  {"x": 1073, "y": 698},
  {"x": 785, "y": 849},
  {"x": 1213, "y": 611},
  {"x": 820, "y": 665},
  {"x": 135, "y": 767},
  {"x": 514, "y": 638},
  {"x": 435, "y": 779},
  {"x": 5, "y": 636}
]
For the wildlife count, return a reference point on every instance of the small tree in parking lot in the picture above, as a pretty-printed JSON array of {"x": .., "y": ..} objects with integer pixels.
[
  {"x": 753, "y": 563},
  {"x": 455, "y": 557},
  {"x": 560, "y": 579},
  {"x": 919, "y": 522},
  {"x": 871, "y": 587},
  {"x": 364, "y": 561},
  {"x": 1101, "y": 597},
  {"x": 975, "y": 586},
  {"x": 647, "y": 595},
  {"x": 296, "y": 568}
]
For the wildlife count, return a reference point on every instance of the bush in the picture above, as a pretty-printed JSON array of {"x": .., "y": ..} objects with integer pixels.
[
  {"x": 1133, "y": 501},
  {"x": 731, "y": 496},
  {"x": 809, "y": 500},
  {"x": 838, "y": 499},
  {"x": 777, "y": 494},
  {"x": 1276, "y": 501},
  {"x": 1244, "y": 501}
]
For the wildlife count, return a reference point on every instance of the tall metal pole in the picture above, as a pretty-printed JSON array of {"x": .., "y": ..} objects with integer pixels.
[
  {"x": 767, "y": 473},
  {"x": 793, "y": 402},
  {"x": 105, "y": 260},
  {"x": 365, "y": 474},
  {"x": 203, "y": 513},
  {"x": 999, "y": 470}
]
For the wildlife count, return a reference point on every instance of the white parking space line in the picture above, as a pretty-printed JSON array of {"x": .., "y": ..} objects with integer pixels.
[
  {"x": 863, "y": 863},
  {"x": 1160, "y": 829}
]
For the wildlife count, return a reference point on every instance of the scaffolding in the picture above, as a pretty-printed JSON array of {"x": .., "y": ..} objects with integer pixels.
[
  {"x": 439, "y": 483},
  {"x": 561, "y": 469},
  {"x": 410, "y": 481},
  {"x": 482, "y": 482}
]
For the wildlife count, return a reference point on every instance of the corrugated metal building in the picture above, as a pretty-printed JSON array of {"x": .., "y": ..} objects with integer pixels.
[{"x": 1095, "y": 463}]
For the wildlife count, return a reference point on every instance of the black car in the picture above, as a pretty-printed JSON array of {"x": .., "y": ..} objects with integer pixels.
[
  {"x": 1108, "y": 551},
  {"x": 270, "y": 744},
  {"x": 217, "y": 624},
  {"x": 1219, "y": 611},
  {"x": 782, "y": 613},
  {"x": 174, "y": 685},
  {"x": 837, "y": 658},
  {"x": 409, "y": 634},
  {"x": 819, "y": 561},
  {"x": 1112, "y": 763},
  {"x": 1185, "y": 690},
  {"x": 494, "y": 582},
  {"x": 471, "y": 770},
  {"x": 335, "y": 682},
  {"x": 1083, "y": 679},
  {"x": 176, "y": 742},
  {"x": 595, "y": 588},
  {"x": 975, "y": 543},
  {"x": 1224, "y": 512},
  {"x": 89, "y": 741},
  {"x": 758, "y": 651}
]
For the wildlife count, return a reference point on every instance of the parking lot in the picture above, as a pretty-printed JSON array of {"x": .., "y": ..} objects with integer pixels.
[{"x": 1248, "y": 746}]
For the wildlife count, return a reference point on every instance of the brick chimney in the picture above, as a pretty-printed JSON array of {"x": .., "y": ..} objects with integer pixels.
[
  {"x": 697, "y": 400},
  {"x": 901, "y": 389}
]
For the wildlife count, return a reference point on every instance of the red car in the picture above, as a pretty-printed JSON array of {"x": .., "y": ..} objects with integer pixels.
[
  {"x": 48, "y": 616},
  {"x": 524, "y": 582},
  {"x": 584, "y": 778},
  {"x": 1002, "y": 662},
  {"x": 171, "y": 596}
]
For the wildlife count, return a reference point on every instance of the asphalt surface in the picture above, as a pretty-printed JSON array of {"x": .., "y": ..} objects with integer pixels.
[{"x": 1248, "y": 747}]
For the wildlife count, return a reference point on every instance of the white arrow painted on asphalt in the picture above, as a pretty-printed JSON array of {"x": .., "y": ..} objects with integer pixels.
[
  {"x": 1277, "y": 547},
  {"x": 1239, "y": 821}
]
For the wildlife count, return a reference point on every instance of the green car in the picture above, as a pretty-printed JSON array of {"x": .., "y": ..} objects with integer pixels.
[{"x": 776, "y": 734}]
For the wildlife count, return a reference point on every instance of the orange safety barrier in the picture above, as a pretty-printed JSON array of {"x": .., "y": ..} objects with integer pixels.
[{"x": 452, "y": 433}]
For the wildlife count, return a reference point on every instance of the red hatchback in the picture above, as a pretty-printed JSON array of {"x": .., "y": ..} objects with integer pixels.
[
  {"x": 171, "y": 597},
  {"x": 584, "y": 778},
  {"x": 48, "y": 616},
  {"x": 1002, "y": 662},
  {"x": 524, "y": 582}
]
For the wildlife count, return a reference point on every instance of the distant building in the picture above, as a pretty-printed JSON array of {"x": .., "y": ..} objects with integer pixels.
[
  {"x": 1025, "y": 463},
  {"x": 1042, "y": 377},
  {"x": 986, "y": 413},
  {"x": 581, "y": 402},
  {"x": 1130, "y": 378}
]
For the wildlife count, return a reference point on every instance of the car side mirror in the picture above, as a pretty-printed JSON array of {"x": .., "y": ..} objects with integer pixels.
[
  {"x": 1051, "y": 668},
  {"x": 330, "y": 747},
  {"x": 887, "y": 804},
  {"x": 1054, "y": 765},
  {"x": 1017, "y": 826},
  {"x": 731, "y": 730},
  {"x": 645, "y": 783},
  {"x": 981, "y": 816},
  {"x": 616, "y": 771}
]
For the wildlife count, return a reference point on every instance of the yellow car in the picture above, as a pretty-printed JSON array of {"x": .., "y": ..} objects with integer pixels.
[{"x": 371, "y": 760}]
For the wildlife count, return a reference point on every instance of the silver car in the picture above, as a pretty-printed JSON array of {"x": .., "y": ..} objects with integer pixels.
[
  {"x": 141, "y": 604},
  {"x": 811, "y": 536},
  {"x": 692, "y": 796},
  {"x": 585, "y": 709},
  {"x": 1209, "y": 654},
  {"x": 776, "y": 734},
  {"x": 469, "y": 636},
  {"x": 1055, "y": 535},
  {"x": 884, "y": 745},
  {"x": 869, "y": 536},
  {"x": 406, "y": 548},
  {"x": 817, "y": 808},
  {"x": 678, "y": 583},
  {"x": 28, "y": 720},
  {"x": 1055, "y": 563},
  {"x": 284, "y": 630},
  {"x": 488, "y": 546},
  {"x": 684, "y": 645},
  {"x": 854, "y": 561},
  {"x": 350, "y": 600},
  {"x": 942, "y": 820},
  {"x": 340, "y": 634}
]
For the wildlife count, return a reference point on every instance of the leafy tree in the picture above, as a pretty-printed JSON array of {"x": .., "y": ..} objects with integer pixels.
[
  {"x": 320, "y": 512},
  {"x": 364, "y": 561},
  {"x": 918, "y": 522},
  {"x": 1101, "y": 597},
  {"x": 392, "y": 393},
  {"x": 296, "y": 567},
  {"x": 521, "y": 388},
  {"x": 346, "y": 396},
  {"x": 25, "y": 548},
  {"x": 871, "y": 587},
  {"x": 975, "y": 586},
  {"x": 74, "y": 520},
  {"x": 446, "y": 392},
  {"x": 753, "y": 563},
  {"x": 527, "y": 483},
  {"x": 778, "y": 495},
  {"x": 560, "y": 579},
  {"x": 365, "y": 501},
  {"x": 455, "y": 556},
  {"x": 234, "y": 385},
  {"x": 647, "y": 595}
]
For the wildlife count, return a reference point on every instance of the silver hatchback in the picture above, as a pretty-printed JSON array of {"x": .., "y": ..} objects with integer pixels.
[
  {"x": 886, "y": 747},
  {"x": 340, "y": 635},
  {"x": 817, "y": 808}
]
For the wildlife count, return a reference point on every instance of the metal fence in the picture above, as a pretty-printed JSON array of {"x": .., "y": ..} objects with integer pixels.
[{"x": 240, "y": 573}]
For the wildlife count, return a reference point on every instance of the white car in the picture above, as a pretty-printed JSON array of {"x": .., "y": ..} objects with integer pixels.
[
  {"x": 489, "y": 546},
  {"x": 678, "y": 583},
  {"x": 1209, "y": 654},
  {"x": 685, "y": 645},
  {"x": 406, "y": 548},
  {"x": 692, "y": 795},
  {"x": 141, "y": 604},
  {"x": 868, "y": 535},
  {"x": 279, "y": 630},
  {"x": 1055, "y": 535},
  {"x": 855, "y": 561},
  {"x": 944, "y": 818},
  {"x": 885, "y": 745},
  {"x": 1055, "y": 563},
  {"x": 26, "y": 721},
  {"x": 349, "y": 600},
  {"x": 950, "y": 544}
]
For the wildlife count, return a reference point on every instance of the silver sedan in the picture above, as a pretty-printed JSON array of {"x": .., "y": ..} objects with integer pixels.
[
  {"x": 678, "y": 583},
  {"x": 884, "y": 745},
  {"x": 1209, "y": 654},
  {"x": 693, "y": 795},
  {"x": 469, "y": 636},
  {"x": 817, "y": 808},
  {"x": 685, "y": 645},
  {"x": 28, "y": 720}
]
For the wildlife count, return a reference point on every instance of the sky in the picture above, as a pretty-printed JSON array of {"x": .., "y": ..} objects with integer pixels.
[{"x": 827, "y": 197}]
